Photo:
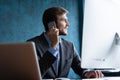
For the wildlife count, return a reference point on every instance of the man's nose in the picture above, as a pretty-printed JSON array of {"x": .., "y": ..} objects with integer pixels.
[{"x": 67, "y": 23}]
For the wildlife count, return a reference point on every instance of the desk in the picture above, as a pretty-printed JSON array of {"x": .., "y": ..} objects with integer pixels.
[{"x": 106, "y": 78}]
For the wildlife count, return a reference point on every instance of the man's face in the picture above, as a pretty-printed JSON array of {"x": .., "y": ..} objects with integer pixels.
[{"x": 62, "y": 24}]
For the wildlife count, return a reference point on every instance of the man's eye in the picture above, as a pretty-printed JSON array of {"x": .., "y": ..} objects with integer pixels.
[{"x": 64, "y": 20}]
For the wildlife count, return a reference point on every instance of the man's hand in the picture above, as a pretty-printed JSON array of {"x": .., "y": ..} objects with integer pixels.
[
  {"x": 53, "y": 35},
  {"x": 93, "y": 74}
]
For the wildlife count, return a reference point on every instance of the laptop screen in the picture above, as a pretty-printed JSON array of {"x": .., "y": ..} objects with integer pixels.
[
  {"x": 18, "y": 61},
  {"x": 101, "y": 31}
]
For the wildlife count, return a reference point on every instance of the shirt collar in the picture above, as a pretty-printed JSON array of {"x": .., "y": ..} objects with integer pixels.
[{"x": 48, "y": 40}]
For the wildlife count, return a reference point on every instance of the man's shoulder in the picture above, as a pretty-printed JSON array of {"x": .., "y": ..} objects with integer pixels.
[{"x": 36, "y": 38}]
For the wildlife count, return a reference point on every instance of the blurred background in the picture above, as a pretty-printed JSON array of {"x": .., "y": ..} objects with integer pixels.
[{"x": 22, "y": 19}]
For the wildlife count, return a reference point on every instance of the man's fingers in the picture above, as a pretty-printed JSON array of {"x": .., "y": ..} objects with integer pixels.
[{"x": 99, "y": 74}]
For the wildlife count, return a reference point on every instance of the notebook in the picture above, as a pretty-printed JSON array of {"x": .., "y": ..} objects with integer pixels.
[{"x": 18, "y": 61}]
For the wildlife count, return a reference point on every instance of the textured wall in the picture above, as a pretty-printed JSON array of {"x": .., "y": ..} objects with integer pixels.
[{"x": 22, "y": 19}]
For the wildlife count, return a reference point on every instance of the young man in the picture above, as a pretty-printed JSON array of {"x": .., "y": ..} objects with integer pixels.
[{"x": 56, "y": 55}]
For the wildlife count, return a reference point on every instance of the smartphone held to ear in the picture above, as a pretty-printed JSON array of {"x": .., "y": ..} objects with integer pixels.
[{"x": 51, "y": 24}]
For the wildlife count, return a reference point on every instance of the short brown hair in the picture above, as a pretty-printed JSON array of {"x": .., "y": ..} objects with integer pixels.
[{"x": 50, "y": 14}]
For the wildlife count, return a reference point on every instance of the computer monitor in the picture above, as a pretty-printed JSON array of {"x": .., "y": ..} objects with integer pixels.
[
  {"x": 101, "y": 31},
  {"x": 18, "y": 61}
]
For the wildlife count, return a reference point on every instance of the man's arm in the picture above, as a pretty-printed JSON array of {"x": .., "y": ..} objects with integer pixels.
[{"x": 84, "y": 73}]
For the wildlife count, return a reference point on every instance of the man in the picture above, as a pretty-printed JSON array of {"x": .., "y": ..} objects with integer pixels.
[{"x": 56, "y": 55}]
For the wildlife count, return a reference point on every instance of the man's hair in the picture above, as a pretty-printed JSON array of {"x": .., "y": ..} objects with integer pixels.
[{"x": 51, "y": 14}]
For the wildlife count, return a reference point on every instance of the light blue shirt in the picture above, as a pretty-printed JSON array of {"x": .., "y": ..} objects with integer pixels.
[
  {"x": 51, "y": 50},
  {"x": 55, "y": 52}
]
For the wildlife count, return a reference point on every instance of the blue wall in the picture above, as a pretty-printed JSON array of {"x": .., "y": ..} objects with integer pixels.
[{"x": 22, "y": 19}]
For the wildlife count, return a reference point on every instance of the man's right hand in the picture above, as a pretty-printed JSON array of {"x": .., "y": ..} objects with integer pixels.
[
  {"x": 94, "y": 74},
  {"x": 53, "y": 35}
]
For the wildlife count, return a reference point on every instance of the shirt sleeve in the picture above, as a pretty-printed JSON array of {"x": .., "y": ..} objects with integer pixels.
[{"x": 85, "y": 71}]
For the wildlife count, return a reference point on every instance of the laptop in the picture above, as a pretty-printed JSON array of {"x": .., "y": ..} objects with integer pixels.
[{"x": 18, "y": 61}]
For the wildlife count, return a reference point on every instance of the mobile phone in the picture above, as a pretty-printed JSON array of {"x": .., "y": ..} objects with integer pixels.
[{"x": 51, "y": 24}]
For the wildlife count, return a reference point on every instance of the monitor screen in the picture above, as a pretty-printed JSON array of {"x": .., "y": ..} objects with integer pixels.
[{"x": 101, "y": 31}]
